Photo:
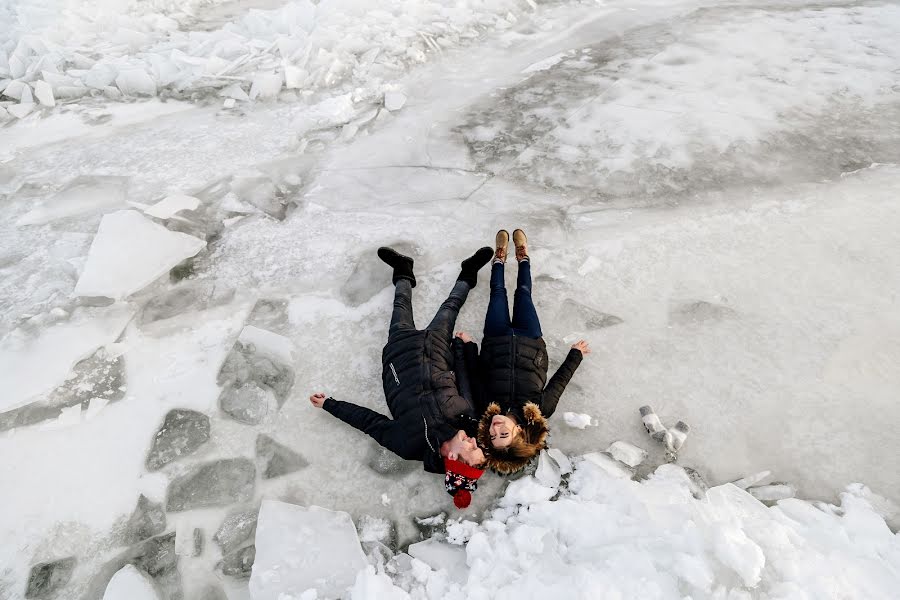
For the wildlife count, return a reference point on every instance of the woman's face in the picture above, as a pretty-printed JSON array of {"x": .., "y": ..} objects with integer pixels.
[{"x": 503, "y": 431}]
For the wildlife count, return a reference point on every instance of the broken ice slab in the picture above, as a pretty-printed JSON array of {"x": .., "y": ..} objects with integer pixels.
[
  {"x": 749, "y": 480},
  {"x": 576, "y": 420},
  {"x": 238, "y": 564},
  {"x": 92, "y": 383},
  {"x": 156, "y": 557},
  {"x": 216, "y": 483},
  {"x": 547, "y": 472},
  {"x": 129, "y": 252},
  {"x": 136, "y": 82},
  {"x": 383, "y": 461},
  {"x": 269, "y": 314},
  {"x": 259, "y": 190},
  {"x": 612, "y": 466},
  {"x": 277, "y": 459},
  {"x": 627, "y": 453},
  {"x": 181, "y": 434},
  {"x": 44, "y": 93},
  {"x": 186, "y": 297},
  {"x": 83, "y": 195},
  {"x": 442, "y": 556},
  {"x": 32, "y": 365},
  {"x": 46, "y": 579},
  {"x": 130, "y": 583},
  {"x": 170, "y": 206},
  {"x": 565, "y": 465},
  {"x": 236, "y": 529},
  {"x": 773, "y": 492},
  {"x": 258, "y": 369},
  {"x": 299, "y": 548},
  {"x": 147, "y": 520}
]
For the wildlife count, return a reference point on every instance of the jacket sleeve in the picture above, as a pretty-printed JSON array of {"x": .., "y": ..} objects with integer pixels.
[
  {"x": 558, "y": 382},
  {"x": 470, "y": 352},
  {"x": 385, "y": 431}
]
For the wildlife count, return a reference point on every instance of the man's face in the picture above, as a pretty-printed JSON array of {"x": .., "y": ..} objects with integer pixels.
[{"x": 466, "y": 449}]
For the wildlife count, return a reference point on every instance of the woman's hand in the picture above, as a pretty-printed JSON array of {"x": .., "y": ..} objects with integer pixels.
[
  {"x": 583, "y": 346},
  {"x": 465, "y": 337},
  {"x": 317, "y": 399}
]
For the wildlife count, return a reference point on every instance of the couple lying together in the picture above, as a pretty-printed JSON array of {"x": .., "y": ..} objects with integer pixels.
[{"x": 458, "y": 410}]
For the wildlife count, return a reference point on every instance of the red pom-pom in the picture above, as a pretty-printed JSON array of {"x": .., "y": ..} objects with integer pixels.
[{"x": 462, "y": 498}]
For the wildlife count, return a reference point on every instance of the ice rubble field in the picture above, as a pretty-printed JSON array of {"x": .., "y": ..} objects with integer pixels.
[{"x": 710, "y": 190}]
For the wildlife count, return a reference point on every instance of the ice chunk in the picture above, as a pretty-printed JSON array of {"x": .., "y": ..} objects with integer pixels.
[
  {"x": 181, "y": 434},
  {"x": 83, "y": 195},
  {"x": 278, "y": 460},
  {"x": 187, "y": 296},
  {"x": 544, "y": 64},
  {"x": 136, "y": 82},
  {"x": 236, "y": 529},
  {"x": 442, "y": 556},
  {"x": 212, "y": 484},
  {"x": 44, "y": 93},
  {"x": 129, "y": 252},
  {"x": 565, "y": 465},
  {"x": 46, "y": 579},
  {"x": 170, "y": 206},
  {"x": 129, "y": 583},
  {"x": 610, "y": 465},
  {"x": 548, "y": 472},
  {"x": 229, "y": 103},
  {"x": 627, "y": 453},
  {"x": 234, "y": 92},
  {"x": 147, "y": 520},
  {"x": 525, "y": 491},
  {"x": 266, "y": 343},
  {"x": 4, "y": 115},
  {"x": 749, "y": 480},
  {"x": 394, "y": 100},
  {"x": 294, "y": 77},
  {"x": 773, "y": 492},
  {"x": 299, "y": 548},
  {"x": 239, "y": 563},
  {"x": 266, "y": 86},
  {"x": 14, "y": 89},
  {"x": 20, "y": 111},
  {"x": 100, "y": 76},
  {"x": 577, "y": 420}
]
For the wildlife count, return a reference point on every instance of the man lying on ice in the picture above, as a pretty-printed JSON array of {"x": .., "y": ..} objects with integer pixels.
[{"x": 430, "y": 415}]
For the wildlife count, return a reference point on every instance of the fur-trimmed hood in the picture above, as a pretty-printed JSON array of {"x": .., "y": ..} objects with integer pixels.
[{"x": 534, "y": 430}]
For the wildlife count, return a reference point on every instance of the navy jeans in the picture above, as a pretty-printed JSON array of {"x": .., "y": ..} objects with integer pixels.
[
  {"x": 444, "y": 320},
  {"x": 524, "y": 321}
]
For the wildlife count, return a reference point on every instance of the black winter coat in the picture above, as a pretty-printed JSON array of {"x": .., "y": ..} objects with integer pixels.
[
  {"x": 420, "y": 387},
  {"x": 512, "y": 370}
]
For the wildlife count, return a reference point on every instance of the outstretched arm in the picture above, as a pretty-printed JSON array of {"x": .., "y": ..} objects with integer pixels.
[
  {"x": 560, "y": 379},
  {"x": 385, "y": 431}
]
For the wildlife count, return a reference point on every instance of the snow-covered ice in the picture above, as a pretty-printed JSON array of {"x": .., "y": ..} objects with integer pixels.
[
  {"x": 129, "y": 252},
  {"x": 131, "y": 584},
  {"x": 577, "y": 420}
]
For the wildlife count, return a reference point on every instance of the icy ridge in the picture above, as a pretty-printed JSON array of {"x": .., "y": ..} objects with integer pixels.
[{"x": 135, "y": 50}]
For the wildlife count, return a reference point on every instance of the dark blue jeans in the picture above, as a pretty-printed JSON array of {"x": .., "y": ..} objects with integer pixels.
[{"x": 524, "y": 321}]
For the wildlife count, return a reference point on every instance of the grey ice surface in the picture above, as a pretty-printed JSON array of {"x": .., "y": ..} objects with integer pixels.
[
  {"x": 217, "y": 483},
  {"x": 239, "y": 563},
  {"x": 183, "y": 298},
  {"x": 253, "y": 383},
  {"x": 181, "y": 434},
  {"x": 277, "y": 459}
]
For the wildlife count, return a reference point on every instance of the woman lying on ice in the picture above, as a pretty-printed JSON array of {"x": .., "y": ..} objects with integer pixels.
[
  {"x": 432, "y": 421},
  {"x": 511, "y": 371}
]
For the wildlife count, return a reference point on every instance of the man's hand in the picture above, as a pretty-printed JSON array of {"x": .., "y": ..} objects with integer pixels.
[
  {"x": 582, "y": 345},
  {"x": 317, "y": 399},
  {"x": 465, "y": 337}
]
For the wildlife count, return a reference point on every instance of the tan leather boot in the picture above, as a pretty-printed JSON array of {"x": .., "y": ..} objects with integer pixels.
[{"x": 521, "y": 242}]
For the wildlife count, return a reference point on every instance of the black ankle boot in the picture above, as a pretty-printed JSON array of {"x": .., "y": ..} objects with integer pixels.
[
  {"x": 402, "y": 265},
  {"x": 471, "y": 265}
]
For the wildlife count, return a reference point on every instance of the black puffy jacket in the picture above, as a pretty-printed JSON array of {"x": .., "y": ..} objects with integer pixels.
[
  {"x": 512, "y": 370},
  {"x": 420, "y": 387}
]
